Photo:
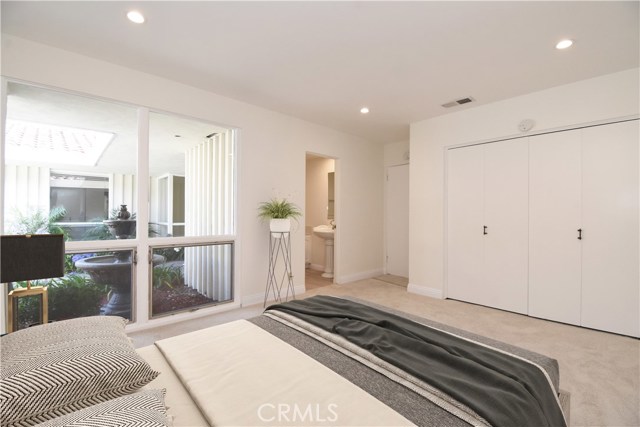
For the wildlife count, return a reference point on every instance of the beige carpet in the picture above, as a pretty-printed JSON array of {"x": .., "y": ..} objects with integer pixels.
[
  {"x": 600, "y": 370},
  {"x": 394, "y": 280}
]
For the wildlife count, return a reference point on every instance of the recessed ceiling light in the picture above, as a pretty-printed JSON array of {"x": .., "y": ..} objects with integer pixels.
[
  {"x": 135, "y": 16},
  {"x": 364, "y": 110},
  {"x": 563, "y": 44}
]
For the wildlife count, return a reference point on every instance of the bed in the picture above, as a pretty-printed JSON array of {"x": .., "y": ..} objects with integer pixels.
[
  {"x": 290, "y": 367},
  {"x": 318, "y": 361}
]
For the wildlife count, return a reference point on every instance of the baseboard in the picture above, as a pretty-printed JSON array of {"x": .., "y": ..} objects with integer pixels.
[
  {"x": 359, "y": 276},
  {"x": 172, "y": 319},
  {"x": 425, "y": 290},
  {"x": 317, "y": 267},
  {"x": 259, "y": 298}
]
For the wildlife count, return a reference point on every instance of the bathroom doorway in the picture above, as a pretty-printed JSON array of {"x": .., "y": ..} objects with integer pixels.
[{"x": 319, "y": 215}]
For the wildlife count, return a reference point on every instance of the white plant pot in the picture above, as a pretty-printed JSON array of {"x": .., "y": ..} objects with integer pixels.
[{"x": 280, "y": 225}]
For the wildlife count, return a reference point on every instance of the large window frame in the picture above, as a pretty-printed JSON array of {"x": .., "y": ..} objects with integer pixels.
[{"x": 142, "y": 244}]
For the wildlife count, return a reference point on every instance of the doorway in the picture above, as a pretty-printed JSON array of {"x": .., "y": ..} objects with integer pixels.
[
  {"x": 397, "y": 221},
  {"x": 319, "y": 212}
]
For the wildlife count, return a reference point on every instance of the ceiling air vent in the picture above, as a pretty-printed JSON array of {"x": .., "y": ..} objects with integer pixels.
[{"x": 458, "y": 102}]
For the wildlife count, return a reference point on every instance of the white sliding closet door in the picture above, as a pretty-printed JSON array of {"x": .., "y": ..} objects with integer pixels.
[
  {"x": 610, "y": 279},
  {"x": 555, "y": 187},
  {"x": 487, "y": 230},
  {"x": 465, "y": 252},
  {"x": 506, "y": 207}
]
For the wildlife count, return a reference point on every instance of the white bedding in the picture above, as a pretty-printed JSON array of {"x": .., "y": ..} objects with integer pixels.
[
  {"x": 239, "y": 374},
  {"x": 181, "y": 407}
]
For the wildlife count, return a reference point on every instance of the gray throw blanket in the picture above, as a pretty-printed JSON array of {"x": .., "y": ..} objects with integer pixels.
[{"x": 504, "y": 390}]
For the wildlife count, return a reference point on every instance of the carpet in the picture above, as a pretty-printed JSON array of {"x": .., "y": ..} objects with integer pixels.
[{"x": 394, "y": 280}]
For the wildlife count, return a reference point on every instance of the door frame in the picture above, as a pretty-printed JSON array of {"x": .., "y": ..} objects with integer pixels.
[{"x": 386, "y": 216}]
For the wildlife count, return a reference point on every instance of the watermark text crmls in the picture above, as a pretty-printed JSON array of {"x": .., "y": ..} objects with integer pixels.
[{"x": 294, "y": 412}]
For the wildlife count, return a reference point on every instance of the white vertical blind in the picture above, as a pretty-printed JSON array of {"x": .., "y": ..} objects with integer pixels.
[{"x": 209, "y": 180}]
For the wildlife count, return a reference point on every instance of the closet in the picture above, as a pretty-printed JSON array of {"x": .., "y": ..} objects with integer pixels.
[
  {"x": 548, "y": 226},
  {"x": 487, "y": 217},
  {"x": 555, "y": 247},
  {"x": 610, "y": 254}
]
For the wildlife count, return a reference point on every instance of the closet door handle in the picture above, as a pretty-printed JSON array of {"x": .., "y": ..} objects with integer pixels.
[
  {"x": 484, "y": 230},
  {"x": 579, "y": 233}
]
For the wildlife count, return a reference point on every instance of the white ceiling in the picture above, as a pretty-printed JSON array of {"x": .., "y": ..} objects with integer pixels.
[{"x": 322, "y": 61}]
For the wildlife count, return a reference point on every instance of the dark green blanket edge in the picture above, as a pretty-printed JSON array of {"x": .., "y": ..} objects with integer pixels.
[{"x": 504, "y": 390}]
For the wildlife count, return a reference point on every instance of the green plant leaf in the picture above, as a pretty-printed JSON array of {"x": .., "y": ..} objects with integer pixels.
[{"x": 278, "y": 209}]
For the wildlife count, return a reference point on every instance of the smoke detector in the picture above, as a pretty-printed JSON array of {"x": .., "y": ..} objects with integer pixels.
[
  {"x": 457, "y": 102},
  {"x": 526, "y": 125}
]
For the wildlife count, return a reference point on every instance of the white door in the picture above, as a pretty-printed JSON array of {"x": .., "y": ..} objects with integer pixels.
[
  {"x": 506, "y": 207},
  {"x": 610, "y": 271},
  {"x": 555, "y": 183},
  {"x": 397, "y": 220},
  {"x": 465, "y": 251}
]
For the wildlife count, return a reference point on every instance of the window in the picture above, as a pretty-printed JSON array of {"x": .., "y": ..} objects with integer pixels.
[
  {"x": 84, "y": 183},
  {"x": 192, "y": 195},
  {"x": 187, "y": 277},
  {"x": 192, "y": 170},
  {"x": 92, "y": 285},
  {"x": 70, "y": 162}
]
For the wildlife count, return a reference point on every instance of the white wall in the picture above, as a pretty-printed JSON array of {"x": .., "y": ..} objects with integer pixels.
[
  {"x": 396, "y": 153},
  {"x": 606, "y": 97},
  {"x": 271, "y": 156}
]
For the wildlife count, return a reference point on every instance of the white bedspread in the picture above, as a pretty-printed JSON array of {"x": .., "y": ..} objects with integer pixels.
[{"x": 239, "y": 374}]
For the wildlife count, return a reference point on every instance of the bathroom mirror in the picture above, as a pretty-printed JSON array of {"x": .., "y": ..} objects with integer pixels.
[{"x": 330, "y": 214}]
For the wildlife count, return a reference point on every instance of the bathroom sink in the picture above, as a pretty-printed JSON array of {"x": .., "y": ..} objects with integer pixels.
[{"x": 324, "y": 231}]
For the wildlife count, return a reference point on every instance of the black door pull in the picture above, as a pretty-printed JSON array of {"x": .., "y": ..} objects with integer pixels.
[
  {"x": 484, "y": 229},
  {"x": 579, "y": 233}
]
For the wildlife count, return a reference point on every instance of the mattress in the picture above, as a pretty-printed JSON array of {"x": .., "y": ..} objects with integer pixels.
[
  {"x": 180, "y": 405},
  {"x": 271, "y": 371}
]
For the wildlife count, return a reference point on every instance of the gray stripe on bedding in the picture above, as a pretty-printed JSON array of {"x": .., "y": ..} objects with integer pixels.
[
  {"x": 548, "y": 364},
  {"x": 387, "y": 369},
  {"x": 503, "y": 389},
  {"x": 411, "y": 405}
]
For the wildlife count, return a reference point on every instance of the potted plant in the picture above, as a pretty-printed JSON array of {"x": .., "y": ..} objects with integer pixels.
[{"x": 279, "y": 213}]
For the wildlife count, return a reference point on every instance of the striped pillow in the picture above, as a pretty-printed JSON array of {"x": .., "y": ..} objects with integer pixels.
[
  {"x": 142, "y": 409},
  {"x": 54, "y": 369}
]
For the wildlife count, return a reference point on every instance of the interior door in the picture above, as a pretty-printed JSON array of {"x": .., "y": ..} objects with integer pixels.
[
  {"x": 397, "y": 220},
  {"x": 610, "y": 271},
  {"x": 506, "y": 218},
  {"x": 555, "y": 186},
  {"x": 465, "y": 251}
]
